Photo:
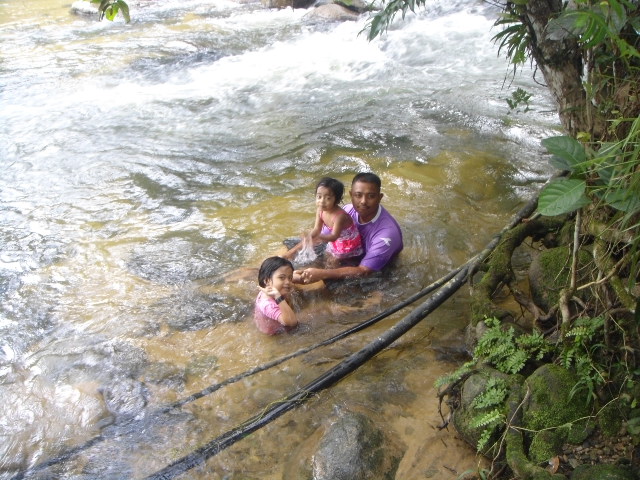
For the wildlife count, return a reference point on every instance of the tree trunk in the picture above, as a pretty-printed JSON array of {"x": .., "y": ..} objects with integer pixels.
[{"x": 559, "y": 58}]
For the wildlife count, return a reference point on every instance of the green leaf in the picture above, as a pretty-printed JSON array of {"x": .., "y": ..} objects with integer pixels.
[
  {"x": 635, "y": 24},
  {"x": 568, "y": 153},
  {"x": 633, "y": 426},
  {"x": 124, "y": 8},
  {"x": 623, "y": 200},
  {"x": 562, "y": 196}
]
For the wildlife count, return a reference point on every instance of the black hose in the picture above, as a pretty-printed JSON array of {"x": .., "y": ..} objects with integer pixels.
[{"x": 324, "y": 381}]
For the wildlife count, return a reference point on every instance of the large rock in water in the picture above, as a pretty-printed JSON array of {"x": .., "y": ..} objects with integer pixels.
[
  {"x": 332, "y": 13},
  {"x": 287, "y": 3},
  {"x": 354, "y": 448}
]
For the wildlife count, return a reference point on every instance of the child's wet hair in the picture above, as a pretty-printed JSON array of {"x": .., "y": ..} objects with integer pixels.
[
  {"x": 334, "y": 185},
  {"x": 269, "y": 266}
]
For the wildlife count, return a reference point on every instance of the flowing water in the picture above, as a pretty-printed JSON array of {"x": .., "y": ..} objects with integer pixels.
[{"x": 148, "y": 168}]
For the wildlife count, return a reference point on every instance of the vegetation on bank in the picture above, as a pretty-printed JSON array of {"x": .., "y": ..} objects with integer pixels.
[{"x": 588, "y": 54}]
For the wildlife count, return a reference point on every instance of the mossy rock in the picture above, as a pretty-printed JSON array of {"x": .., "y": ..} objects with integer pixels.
[
  {"x": 550, "y": 405},
  {"x": 549, "y": 274},
  {"x": 611, "y": 416},
  {"x": 602, "y": 472},
  {"x": 546, "y": 445},
  {"x": 465, "y": 415}
]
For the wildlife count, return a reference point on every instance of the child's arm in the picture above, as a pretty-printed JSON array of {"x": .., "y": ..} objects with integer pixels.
[
  {"x": 292, "y": 252},
  {"x": 287, "y": 315},
  {"x": 317, "y": 227}
]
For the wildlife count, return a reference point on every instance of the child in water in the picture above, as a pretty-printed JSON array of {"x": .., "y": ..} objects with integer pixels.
[
  {"x": 333, "y": 224},
  {"x": 273, "y": 313}
]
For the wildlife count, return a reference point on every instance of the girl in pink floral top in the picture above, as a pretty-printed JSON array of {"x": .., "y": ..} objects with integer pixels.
[
  {"x": 333, "y": 224},
  {"x": 273, "y": 313}
]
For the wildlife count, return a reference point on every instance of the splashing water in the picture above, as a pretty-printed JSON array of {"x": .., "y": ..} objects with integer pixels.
[{"x": 307, "y": 253}]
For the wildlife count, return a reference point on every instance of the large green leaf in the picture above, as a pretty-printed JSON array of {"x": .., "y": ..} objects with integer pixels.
[
  {"x": 623, "y": 200},
  {"x": 562, "y": 196},
  {"x": 568, "y": 153}
]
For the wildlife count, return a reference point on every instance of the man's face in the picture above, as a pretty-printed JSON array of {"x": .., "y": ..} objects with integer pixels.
[{"x": 365, "y": 198}]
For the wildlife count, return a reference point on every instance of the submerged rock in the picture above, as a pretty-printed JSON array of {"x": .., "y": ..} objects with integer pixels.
[
  {"x": 354, "y": 448},
  {"x": 125, "y": 398}
]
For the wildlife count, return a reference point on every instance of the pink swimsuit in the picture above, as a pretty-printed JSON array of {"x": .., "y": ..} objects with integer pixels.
[{"x": 348, "y": 244}]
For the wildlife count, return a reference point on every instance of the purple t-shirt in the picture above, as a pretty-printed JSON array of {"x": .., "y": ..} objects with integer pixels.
[{"x": 381, "y": 238}]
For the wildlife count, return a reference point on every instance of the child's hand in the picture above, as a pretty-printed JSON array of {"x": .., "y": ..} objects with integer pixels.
[{"x": 270, "y": 291}]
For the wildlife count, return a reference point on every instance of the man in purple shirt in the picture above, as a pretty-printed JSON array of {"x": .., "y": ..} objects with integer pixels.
[{"x": 381, "y": 234}]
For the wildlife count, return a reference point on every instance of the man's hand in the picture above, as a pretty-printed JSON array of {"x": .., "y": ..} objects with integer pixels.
[{"x": 310, "y": 275}]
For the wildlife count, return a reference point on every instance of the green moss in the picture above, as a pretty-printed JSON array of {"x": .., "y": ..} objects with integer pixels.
[
  {"x": 610, "y": 417},
  {"x": 555, "y": 268},
  {"x": 602, "y": 472},
  {"x": 550, "y": 404},
  {"x": 546, "y": 444}
]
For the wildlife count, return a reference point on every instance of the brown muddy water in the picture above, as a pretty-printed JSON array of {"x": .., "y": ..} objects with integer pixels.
[{"x": 148, "y": 168}]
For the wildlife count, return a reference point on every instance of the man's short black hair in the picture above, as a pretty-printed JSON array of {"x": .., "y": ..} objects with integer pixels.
[{"x": 367, "y": 177}]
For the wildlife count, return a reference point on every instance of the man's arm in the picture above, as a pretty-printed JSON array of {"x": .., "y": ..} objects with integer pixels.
[{"x": 311, "y": 275}]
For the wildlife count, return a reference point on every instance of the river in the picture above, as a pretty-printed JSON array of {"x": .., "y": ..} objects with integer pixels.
[{"x": 149, "y": 167}]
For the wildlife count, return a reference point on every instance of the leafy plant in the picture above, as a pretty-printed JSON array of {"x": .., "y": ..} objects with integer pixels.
[
  {"x": 381, "y": 21},
  {"x": 503, "y": 349},
  {"x": 495, "y": 394},
  {"x": 607, "y": 177},
  {"x": 595, "y": 23},
  {"x": 506, "y": 350},
  {"x": 111, "y": 8},
  {"x": 514, "y": 37},
  {"x": 519, "y": 97},
  {"x": 489, "y": 420},
  {"x": 580, "y": 355}
]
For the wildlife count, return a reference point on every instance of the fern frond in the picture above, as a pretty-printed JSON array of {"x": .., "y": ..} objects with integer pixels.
[{"x": 492, "y": 417}]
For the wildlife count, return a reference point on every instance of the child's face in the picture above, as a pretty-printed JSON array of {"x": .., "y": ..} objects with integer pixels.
[
  {"x": 282, "y": 280},
  {"x": 325, "y": 198}
]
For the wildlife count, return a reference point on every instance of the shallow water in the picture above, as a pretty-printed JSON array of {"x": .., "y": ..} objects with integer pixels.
[{"x": 148, "y": 168}]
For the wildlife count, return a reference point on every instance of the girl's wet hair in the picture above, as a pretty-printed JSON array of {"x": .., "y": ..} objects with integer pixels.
[
  {"x": 334, "y": 185},
  {"x": 269, "y": 266}
]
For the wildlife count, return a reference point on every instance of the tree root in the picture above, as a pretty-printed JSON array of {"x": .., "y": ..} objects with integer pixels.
[
  {"x": 499, "y": 269},
  {"x": 518, "y": 462}
]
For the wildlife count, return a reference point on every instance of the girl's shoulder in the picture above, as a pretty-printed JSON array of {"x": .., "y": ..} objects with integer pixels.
[{"x": 340, "y": 212}]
